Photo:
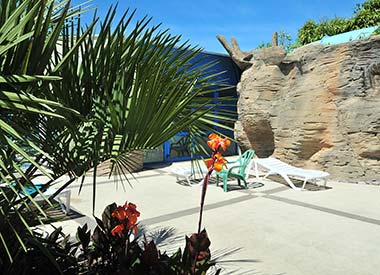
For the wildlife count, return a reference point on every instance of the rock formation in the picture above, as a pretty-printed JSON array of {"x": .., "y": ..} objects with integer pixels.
[{"x": 317, "y": 107}]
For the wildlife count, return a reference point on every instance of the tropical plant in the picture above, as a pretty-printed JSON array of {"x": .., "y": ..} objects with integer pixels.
[
  {"x": 135, "y": 91},
  {"x": 70, "y": 100},
  {"x": 115, "y": 247},
  {"x": 28, "y": 35}
]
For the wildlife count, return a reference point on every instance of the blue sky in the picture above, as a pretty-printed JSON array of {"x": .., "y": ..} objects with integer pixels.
[{"x": 250, "y": 22}]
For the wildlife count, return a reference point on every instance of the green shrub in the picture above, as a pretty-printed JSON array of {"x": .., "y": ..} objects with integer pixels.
[{"x": 365, "y": 15}]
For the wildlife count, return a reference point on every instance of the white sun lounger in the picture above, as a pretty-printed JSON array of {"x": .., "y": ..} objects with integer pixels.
[
  {"x": 63, "y": 198},
  {"x": 275, "y": 166},
  {"x": 188, "y": 173}
]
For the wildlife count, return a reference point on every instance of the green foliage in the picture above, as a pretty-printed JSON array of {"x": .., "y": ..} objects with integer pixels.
[
  {"x": 307, "y": 32},
  {"x": 108, "y": 253},
  {"x": 311, "y": 31},
  {"x": 102, "y": 252},
  {"x": 71, "y": 99},
  {"x": 365, "y": 15},
  {"x": 46, "y": 254},
  {"x": 135, "y": 89},
  {"x": 28, "y": 36}
]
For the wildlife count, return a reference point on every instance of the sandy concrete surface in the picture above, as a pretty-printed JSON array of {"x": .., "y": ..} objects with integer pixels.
[{"x": 266, "y": 229}]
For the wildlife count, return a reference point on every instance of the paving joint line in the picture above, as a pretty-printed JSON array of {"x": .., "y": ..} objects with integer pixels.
[
  {"x": 324, "y": 209},
  {"x": 194, "y": 210},
  {"x": 190, "y": 211}
]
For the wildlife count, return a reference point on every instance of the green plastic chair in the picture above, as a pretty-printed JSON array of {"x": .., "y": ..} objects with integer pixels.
[{"x": 236, "y": 169}]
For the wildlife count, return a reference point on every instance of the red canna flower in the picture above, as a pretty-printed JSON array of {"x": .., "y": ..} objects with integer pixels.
[
  {"x": 217, "y": 142},
  {"x": 118, "y": 229},
  {"x": 218, "y": 167},
  {"x": 209, "y": 162},
  {"x": 219, "y": 162},
  {"x": 131, "y": 211},
  {"x": 132, "y": 215},
  {"x": 119, "y": 213},
  {"x": 127, "y": 215},
  {"x": 224, "y": 143},
  {"x": 135, "y": 229}
]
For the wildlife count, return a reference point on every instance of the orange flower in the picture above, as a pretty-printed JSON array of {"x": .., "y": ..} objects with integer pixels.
[
  {"x": 213, "y": 136},
  {"x": 132, "y": 215},
  {"x": 225, "y": 143},
  {"x": 208, "y": 162},
  {"x": 135, "y": 229},
  {"x": 217, "y": 142},
  {"x": 127, "y": 215},
  {"x": 118, "y": 229},
  {"x": 131, "y": 210},
  {"x": 219, "y": 162},
  {"x": 218, "y": 157},
  {"x": 119, "y": 213},
  {"x": 218, "y": 167}
]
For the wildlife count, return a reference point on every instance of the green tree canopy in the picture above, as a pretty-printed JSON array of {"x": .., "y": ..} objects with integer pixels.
[{"x": 365, "y": 15}]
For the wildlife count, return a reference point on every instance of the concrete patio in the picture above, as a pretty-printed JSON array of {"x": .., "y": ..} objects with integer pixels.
[{"x": 270, "y": 230}]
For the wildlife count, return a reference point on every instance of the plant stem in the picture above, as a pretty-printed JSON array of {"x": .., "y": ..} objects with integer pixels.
[
  {"x": 203, "y": 196},
  {"x": 204, "y": 189}
]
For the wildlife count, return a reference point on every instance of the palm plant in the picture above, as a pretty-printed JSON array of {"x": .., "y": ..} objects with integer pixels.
[
  {"x": 28, "y": 35},
  {"x": 135, "y": 91},
  {"x": 72, "y": 97}
]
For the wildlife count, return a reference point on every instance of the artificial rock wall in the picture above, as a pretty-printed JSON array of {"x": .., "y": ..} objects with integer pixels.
[{"x": 317, "y": 107}]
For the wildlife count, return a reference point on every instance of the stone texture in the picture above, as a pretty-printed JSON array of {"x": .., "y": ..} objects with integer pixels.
[{"x": 317, "y": 107}]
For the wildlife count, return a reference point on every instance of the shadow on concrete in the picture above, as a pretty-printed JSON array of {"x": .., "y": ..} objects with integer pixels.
[
  {"x": 152, "y": 166},
  {"x": 232, "y": 266}
]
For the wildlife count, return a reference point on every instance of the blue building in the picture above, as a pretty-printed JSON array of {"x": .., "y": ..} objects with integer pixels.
[{"x": 176, "y": 149}]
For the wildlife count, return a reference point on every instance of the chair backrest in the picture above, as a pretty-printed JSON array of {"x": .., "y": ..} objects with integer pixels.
[{"x": 245, "y": 159}]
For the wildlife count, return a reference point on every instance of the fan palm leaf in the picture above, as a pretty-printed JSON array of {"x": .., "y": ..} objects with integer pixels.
[
  {"x": 136, "y": 90},
  {"x": 28, "y": 36}
]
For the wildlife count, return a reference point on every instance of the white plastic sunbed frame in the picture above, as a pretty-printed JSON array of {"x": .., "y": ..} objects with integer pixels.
[
  {"x": 63, "y": 198},
  {"x": 275, "y": 166},
  {"x": 188, "y": 172}
]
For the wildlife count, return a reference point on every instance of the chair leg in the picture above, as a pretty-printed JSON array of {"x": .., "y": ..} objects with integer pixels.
[
  {"x": 217, "y": 180},
  {"x": 286, "y": 178},
  {"x": 65, "y": 204},
  {"x": 304, "y": 183},
  {"x": 245, "y": 184},
  {"x": 188, "y": 180},
  {"x": 256, "y": 171},
  {"x": 267, "y": 174},
  {"x": 225, "y": 184},
  {"x": 239, "y": 183}
]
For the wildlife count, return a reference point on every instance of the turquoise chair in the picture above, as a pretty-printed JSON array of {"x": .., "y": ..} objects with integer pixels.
[{"x": 236, "y": 169}]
